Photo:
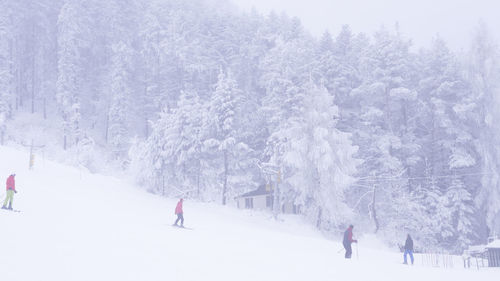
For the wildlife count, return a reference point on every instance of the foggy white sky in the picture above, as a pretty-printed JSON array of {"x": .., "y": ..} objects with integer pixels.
[{"x": 420, "y": 20}]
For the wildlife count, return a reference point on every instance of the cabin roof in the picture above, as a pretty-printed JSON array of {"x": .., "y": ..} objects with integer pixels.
[
  {"x": 259, "y": 191},
  {"x": 494, "y": 244}
]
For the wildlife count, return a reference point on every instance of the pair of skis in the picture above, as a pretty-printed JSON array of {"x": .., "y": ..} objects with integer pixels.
[
  {"x": 183, "y": 227},
  {"x": 11, "y": 210},
  {"x": 357, "y": 255},
  {"x": 6, "y": 209}
]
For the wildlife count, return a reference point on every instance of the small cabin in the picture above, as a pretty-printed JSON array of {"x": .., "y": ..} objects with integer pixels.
[
  {"x": 484, "y": 255},
  {"x": 493, "y": 253},
  {"x": 259, "y": 199},
  {"x": 262, "y": 199}
]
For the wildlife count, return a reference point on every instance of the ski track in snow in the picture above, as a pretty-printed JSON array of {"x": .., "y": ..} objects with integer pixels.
[{"x": 80, "y": 226}]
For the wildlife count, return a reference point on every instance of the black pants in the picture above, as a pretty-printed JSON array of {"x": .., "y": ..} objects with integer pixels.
[
  {"x": 180, "y": 217},
  {"x": 348, "y": 250}
]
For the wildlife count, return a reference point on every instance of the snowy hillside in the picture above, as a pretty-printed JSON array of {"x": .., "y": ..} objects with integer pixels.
[{"x": 78, "y": 226}]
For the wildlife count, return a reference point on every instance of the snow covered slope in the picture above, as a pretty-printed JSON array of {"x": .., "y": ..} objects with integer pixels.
[{"x": 79, "y": 226}]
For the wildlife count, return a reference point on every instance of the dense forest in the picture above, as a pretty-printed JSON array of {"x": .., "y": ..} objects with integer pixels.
[{"x": 198, "y": 99}]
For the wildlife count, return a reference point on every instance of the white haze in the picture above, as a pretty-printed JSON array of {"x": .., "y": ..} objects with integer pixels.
[
  {"x": 421, "y": 20},
  {"x": 193, "y": 99}
]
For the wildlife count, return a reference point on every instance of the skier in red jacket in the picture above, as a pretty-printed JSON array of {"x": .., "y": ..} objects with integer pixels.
[
  {"x": 11, "y": 189},
  {"x": 179, "y": 213}
]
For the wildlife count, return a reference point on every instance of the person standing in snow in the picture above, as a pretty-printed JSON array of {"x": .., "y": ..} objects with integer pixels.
[
  {"x": 179, "y": 213},
  {"x": 11, "y": 189},
  {"x": 408, "y": 249},
  {"x": 348, "y": 241}
]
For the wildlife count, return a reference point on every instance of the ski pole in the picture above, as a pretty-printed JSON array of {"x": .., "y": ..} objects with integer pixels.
[
  {"x": 357, "y": 255},
  {"x": 340, "y": 250}
]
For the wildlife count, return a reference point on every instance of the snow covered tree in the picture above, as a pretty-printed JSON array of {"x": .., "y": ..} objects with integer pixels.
[
  {"x": 381, "y": 129},
  {"x": 283, "y": 73},
  {"x": 6, "y": 77},
  {"x": 150, "y": 34},
  {"x": 462, "y": 215},
  {"x": 326, "y": 43},
  {"x": 344, "y": 75},
  {"x": 447, "y": 134},
  {"x": 484, "y": 75},
  {"x": 189, "y": 159},
  {"x": 72, "y": 30},
  {"x": 121, "y": 98},
  {"x": 149, "y": 158},
  {"x": 176, "y": 145},
  {"x": 317, "y": 158},
  {"x": 221, "y": 139},
  {"x": 436, "y": 224}
]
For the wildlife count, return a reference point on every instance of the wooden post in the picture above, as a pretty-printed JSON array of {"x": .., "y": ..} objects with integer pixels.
[
  {"x": 276, "y": 196},
  {"x": 32, "y": 146},
  {"x": 32, "y": 157}
]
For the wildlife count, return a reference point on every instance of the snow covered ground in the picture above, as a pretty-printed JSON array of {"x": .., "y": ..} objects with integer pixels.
[{"x": 80, "y": 226}]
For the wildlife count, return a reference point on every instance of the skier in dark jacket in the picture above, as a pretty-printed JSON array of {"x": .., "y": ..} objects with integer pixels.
[
  {"x": 408, "y": 249},
  {"x": 348, "y": 241}
]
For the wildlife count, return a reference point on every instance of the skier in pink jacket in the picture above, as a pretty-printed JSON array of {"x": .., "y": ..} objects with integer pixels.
[
  {"x": 11, "y": 189},
  {"x": 179, "y": 213}
]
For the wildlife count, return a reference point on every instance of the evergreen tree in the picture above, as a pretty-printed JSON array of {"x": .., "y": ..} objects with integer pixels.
[
  {"x": 436, "y": 226},
  {"x": 221, "y": 137},
  {"x": 462, "y": 215},
  {"x": 317, "y": 158},
  {"x": 484, "y": 75},
  {"x": 6, "y": 77},
  {"x": 73, "y": 32},
  {"x": 380, "y": 130},
  {"x": 121, "y": 98},
  {"x": 149, "y": 158},
  {"x": 150, "y": 34},
  {"x": 176, "y": 143}
]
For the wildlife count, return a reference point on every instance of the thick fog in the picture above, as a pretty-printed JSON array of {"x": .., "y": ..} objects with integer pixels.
[{"x": 196, "y": 98}]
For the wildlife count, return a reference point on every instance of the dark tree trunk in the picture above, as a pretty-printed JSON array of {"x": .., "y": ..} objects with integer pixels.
[
  {"x": 224, "y": 188},
  {"x": 162, "y": 185},
  {"x": 44, "y": 109},
  {"x": 198, "y": 181},
  {"x": 318, "y": 222},
  {"x": 106, "y": 128},
  {"x": 374, "y": 211},
  {"x": 33, "y": 72}
]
